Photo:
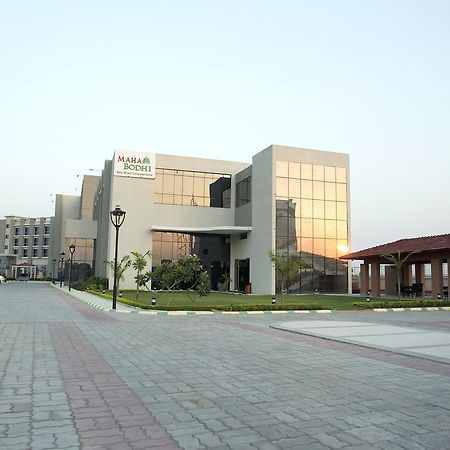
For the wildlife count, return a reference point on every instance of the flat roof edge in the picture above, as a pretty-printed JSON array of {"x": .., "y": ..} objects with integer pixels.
[{"x": 230, "y": 229}]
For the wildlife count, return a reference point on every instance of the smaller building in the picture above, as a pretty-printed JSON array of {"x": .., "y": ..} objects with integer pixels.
[
  {"x": 418, "y": 254},
  {"x": 25, "y": 245}
]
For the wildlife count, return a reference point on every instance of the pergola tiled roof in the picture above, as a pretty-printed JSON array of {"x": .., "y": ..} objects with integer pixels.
[
  {"x": 433, "y": 250},
  {"x": 425, "y": 244}
]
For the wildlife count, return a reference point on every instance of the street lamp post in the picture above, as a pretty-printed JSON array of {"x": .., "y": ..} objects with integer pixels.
[
  {"x": 72, "y": 251},
  {"x": 53, "y": 272},
  {"x": 61, "y": 268},
  {"x": 117, "y": 216}
]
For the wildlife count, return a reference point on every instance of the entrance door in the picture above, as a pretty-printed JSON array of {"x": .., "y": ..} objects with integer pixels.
[{"x": 242, "y": 274}]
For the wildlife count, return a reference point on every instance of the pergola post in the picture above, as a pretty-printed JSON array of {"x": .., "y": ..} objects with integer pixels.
[
  {"x": 419, "y": 273},
  {"x": 364, "y": 273},
  {"x": 436, "y": 277},
  {"x": 375, "y": 279},
  {"x": 390, "y": 280},
  {"x": 407, "y": 274}
]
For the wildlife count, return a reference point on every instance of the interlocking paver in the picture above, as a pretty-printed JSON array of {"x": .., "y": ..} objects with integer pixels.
[{"x": 72, "y": 375}]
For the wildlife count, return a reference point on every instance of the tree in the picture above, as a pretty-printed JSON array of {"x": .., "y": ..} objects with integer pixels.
[
  {"x": 186, "y": 273},
  {"x": 398, "y": 262},
  {"x": 285, "y": 266},
  {"x": 122, "y": 265},
  {"x": 139, "y": 264}
]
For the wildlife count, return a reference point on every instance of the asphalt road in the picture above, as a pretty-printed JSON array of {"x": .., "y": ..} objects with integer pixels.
[{"x": 73, "y": 376}]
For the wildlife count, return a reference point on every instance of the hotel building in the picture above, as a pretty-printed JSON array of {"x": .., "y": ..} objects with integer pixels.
[{"x": 230, "y": 214}]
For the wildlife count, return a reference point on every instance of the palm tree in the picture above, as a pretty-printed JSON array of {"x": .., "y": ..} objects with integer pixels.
[
  {"x": 398, "y": 262},
  {"x": 285, "y": 266},
  {"x": 139, "y": 263}
]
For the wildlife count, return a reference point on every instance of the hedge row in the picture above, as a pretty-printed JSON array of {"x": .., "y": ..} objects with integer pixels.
[
  {"x": 402, "y": 304},
  {"x": 194, "y": 307},
  {"x": 251, "y": 307}
]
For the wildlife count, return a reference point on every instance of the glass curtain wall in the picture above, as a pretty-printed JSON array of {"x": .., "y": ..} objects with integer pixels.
[
  {"x": 83, "y": 259},
  {"x": 183, "y": 187},
  {"x": 213, "y": 251},
  {"x": 312, "y": 222}
]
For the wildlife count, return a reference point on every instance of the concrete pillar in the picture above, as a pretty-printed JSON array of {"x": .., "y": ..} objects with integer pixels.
[
  {"x": 375, "y": 279},
  {"x": 407, "y": 274},
  {"x": 364, "y": 274},
  {"x": 420, "y": 273},
  {"x": 390, "y": 280},
  {"x": 436, "y": 277}
]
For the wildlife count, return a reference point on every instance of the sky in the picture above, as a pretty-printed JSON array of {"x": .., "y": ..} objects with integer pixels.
[{"x": 225, "y": 79}]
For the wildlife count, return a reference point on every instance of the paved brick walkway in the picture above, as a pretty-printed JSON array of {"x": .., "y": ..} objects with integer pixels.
[{"x": 76, "y": 377}]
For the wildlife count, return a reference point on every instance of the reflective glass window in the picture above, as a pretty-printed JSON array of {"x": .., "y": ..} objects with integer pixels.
[
  {"x": 319, "y": 247},
  {"x": 244, "y": 191},
  {"x": 330, "y": 174},
  {"x": 318, "y": 173},
  {"x": 306, "y": 224},
  {"x": 306, "y": 171},
  {"x": 330, "y": 191},
  {"x": 307, "y": 247},
  {"x": 282, "y": 169},
  {"x": 179, "y": 187},
  {"x": 341, "y": 175},
  {"x": 306, "y": 227},
  {"x": 341, "y": 211},
  {"x": 318, "y": 190},
  {"x": 158, "y": 183},
  {"x": 282, "y": 187},
  {"x": 319, "y": 228},
  {"x": 167, "y": 199},
  {"x": 319, "y": 209},
  {"x": 306, "y": 208},
  {"x": 294, "y": 170},
  {"x": 188, "y": 185},
  {"x": 330, "y": 229},
  {"x": 199, "y": 186},
  {"x": 341, "y": 247},
  {"x": 282, "y": 208},
  {"x": 341, "y": 229},
  {"x": 306, "y": 190},
  {"x": 330, "y": 248},
  {"x": 341, "y": 192},
  {"x": 330, "y": 210},
  {"x": 294, "y": 188},
  {"x": 291, "y": 226}
]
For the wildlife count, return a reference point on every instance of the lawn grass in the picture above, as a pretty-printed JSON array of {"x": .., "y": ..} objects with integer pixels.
[{"x": 221, "y": 300}]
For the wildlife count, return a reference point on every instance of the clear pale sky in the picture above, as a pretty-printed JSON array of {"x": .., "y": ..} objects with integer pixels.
[{"x": 224, "y": 80}]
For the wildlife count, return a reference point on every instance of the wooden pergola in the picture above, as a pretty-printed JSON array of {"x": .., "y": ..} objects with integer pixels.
[{"x": 433, "y": 250}]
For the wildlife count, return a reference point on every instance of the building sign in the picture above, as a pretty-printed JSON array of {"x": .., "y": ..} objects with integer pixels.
[{"x": 134, "y": 164}]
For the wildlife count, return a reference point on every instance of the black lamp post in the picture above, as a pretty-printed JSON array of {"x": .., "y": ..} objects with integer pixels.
[
  {"x": 117, "y": 216},
  {"x": 61, "y": 269},
  {"x": 72, "y": 251},
  {"x": 53, "y": 272}
]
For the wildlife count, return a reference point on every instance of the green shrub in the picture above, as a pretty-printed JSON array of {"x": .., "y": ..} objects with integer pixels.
[
  {"x": 216, "y": 307},
  {"x": 401, "y": 304},
  {"x": 91, "y": 284}
]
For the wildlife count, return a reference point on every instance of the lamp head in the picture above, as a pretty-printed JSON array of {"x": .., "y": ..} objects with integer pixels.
[
  {"x": 117, "y": 216},
  {"x": 72, "y": 249}
]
